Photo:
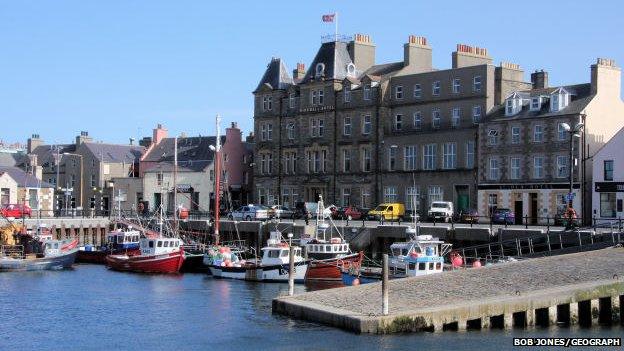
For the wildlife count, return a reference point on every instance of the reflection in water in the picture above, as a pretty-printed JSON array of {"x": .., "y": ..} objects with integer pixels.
[{"x": 92, "y": 308}]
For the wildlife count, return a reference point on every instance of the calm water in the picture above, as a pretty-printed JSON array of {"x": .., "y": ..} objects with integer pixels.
[{"x": 92, "y": 308}]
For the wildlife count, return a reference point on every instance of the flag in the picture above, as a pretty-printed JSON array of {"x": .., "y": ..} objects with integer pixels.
[{"x": 329, "y": 18}]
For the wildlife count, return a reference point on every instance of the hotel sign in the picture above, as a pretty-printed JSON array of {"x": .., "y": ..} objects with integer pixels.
[
  {"x": 609, "y": 187},
  {"x": 318, "y": 109}
]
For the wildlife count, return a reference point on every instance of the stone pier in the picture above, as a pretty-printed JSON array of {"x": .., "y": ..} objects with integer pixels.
[{"x": 583, "y": 288}]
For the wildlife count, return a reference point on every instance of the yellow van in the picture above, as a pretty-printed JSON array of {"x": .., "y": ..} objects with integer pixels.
[{"x": 389, "y": 211}]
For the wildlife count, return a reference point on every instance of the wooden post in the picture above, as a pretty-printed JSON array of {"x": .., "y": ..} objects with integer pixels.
[
  {"x": 384, "y": 285},
  {"x": 291, "y": 271}
]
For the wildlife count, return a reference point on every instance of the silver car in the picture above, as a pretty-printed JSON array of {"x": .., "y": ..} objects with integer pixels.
[
  {"x": 279, "y": 211},
  {"x": 250, "y": 213}
]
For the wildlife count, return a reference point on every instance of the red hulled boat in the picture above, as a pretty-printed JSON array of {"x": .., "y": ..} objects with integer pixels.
[
  {"x": 330, "y": 269},
  {"x": 158, "y": 255}
]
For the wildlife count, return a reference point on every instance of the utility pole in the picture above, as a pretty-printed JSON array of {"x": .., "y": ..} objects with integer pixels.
[{"x": 217, "y": 163}]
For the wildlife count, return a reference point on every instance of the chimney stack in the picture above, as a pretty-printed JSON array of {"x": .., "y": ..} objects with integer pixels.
[
  {"x": 467, "y": 55},
  {"x": 33, "y": 142},
  {"x": 83, "y": 138},
  {"x": 417, "y": 55},
  {"x": 362, "y": 52},
  {"x": 606, "y": 78},
  {"x": 299, "y": 72},
  {"x": 159, "y": 134},
  {"x": 539, "y": 79}
]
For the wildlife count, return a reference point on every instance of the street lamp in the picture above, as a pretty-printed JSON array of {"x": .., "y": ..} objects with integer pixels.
[
  {"x": 574, "y": 133},
  {"x": 81, "y": 180}
]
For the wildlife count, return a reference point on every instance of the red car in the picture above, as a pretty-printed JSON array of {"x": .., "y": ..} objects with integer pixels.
[
  {"x": 352, "y": 212},
  {"x": 16, "y": 211}
]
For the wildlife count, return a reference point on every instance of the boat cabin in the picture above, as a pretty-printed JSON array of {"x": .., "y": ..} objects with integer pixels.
[
  {"x": 421, "y": 256},
  {"x": 124, "y": 240},
  {"x": 279, "y": 255},
  {"x": 159, "y": 246}
]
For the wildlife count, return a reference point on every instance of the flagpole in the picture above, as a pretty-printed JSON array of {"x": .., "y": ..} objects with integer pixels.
[{"x": 336, "y": 33}]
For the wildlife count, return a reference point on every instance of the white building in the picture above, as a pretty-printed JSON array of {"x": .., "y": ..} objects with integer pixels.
[{"x": 608, "y": 179}]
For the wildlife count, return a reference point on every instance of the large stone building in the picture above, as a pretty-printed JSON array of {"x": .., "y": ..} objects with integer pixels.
[
  {"x": 608, "y": 180},
  {"x": 360, "y": 133},
  {"x": 524, "y": 147}
]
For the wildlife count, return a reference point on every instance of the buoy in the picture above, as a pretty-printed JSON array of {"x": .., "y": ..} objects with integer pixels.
[
  {"x": 476, "y": 264},
  {"x": 456, "y": 260},
  {"x": 356, "y": 281},
  {"x": 414, "y": 254}
]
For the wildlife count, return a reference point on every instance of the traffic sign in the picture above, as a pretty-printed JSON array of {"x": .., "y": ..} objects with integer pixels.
[{"x": 570, "y": 197}]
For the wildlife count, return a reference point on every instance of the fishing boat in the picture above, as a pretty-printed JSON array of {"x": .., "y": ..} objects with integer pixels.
[
  {"x": 272, "y": 267},
  {"x": 360, "y": 276},
  {"x": 422, "y": 255},
  {"x": 117, "y": 242},
  {"x": 157, "y": 255},
  {"x": 57, "y": 254}
]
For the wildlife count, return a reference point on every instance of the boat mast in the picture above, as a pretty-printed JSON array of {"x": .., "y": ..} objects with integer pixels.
[
  {"x": 175, "y": 186},
  {"x": 217, "y": 164}
]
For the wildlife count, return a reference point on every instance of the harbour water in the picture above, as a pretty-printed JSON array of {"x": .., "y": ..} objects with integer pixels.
[{"x": 92, "y": 308}]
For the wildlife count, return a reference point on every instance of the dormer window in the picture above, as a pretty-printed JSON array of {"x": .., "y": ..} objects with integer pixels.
[
  {"x": 536, "y": 103},
  {"x": 513, "y": 104},
  {"x": 559, "y": 99},
  {"x": 319, "y": 70},
  {"x": 351, "y": 70}
]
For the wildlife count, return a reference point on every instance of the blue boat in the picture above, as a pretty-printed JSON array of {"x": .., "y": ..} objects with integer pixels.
[
  {"x": 423, "y": 255},
  {"x": 359, "y": 277}
]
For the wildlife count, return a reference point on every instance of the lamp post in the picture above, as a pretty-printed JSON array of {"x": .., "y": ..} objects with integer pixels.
[
  {"x": 81, "y": 180},
  {"x": 574, "y": 132}
]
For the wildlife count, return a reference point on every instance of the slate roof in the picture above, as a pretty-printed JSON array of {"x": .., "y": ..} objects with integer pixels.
[
  {"x": 13, "y": 159},
  {"x": 115, "y": 153},
  {"x": 276, "y": 75},
  {"x": 47, "y": 153},
  {"x": 383, "y": 69},
  {"x": 580, "y": 96},
  {"x": 194, "y": 153},
  {"x": 23, "y": 179},
  {"x": 335, "y": 56}
]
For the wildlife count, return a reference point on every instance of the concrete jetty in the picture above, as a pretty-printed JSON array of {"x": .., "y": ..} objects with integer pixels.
[{"x": 581, "y": 288}]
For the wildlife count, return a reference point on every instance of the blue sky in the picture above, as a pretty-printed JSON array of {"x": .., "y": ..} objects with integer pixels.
[{"x": 116, "y": 68}]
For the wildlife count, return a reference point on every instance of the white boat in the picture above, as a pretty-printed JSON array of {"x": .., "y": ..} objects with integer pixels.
[
  {"x": 422, "y": 255},
  {"x": 273, "y": 266},
  {"x": 57, "y": 254}
]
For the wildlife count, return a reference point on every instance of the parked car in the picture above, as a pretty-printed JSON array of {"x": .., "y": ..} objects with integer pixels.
[
  {"x": 334, "y": 211},
  {"x": 411, "y": 216},
  {"x": 388, "y": 211},
  {"x": 469, "y": 216},
  {"x": 303, "y": 209},
  {"x": 441, "y": 210},
  {"x": 16, "y": 210},
  {"x": 503, "y": 216},
  {"x": 280, "y": 211},
  {"x": 352, "y": 213},
  {"x": 250, "y": 213}
]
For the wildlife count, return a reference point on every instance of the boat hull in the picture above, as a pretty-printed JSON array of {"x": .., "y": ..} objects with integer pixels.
[
  {"x": 330, "y": 269},
  {"x": 39, "y": 264},
  {"x": 193, "y": 263},
  {"x": 349, "y": 279},
  {"x": 166, "y": 263},
  {"x": 95, "y": 257},
  {"x": 273, "y": 273}
]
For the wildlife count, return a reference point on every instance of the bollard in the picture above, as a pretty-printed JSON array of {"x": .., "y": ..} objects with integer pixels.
[
  {"x": 291, "y": 271},
  {"x": 526, "y": 221},
  {"x": 384, "y": 286}
]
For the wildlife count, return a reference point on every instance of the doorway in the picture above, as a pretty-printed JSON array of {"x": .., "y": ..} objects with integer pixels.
[
  {"x": 518, "y": 211},
  {"x": 533, "y": 215}
]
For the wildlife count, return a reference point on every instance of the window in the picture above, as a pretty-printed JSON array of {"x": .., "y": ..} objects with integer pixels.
[
  {"x": 398, "y": 122},
  {"x": 346, "y": 160},
  {"x": 33, "y": 199},
  {"x": 390, "y": 194},
  {"x": 538, "y": 133},
  {"x": 435, "y": 88},
  {"x": 509, "y": 107},
  {"x": 366, "y": 160},
  {"x": 417, "y": 120},
  {"x": 492, "y": 203},
  {"x": 365, "y": 197},
  {"x": 492, "y": 137},
  {"x": 608, "y": 170},
  {"x": 417, "y": 91},
  {"x": 346, "y": 196},
  {"x": 470, "y": 154},
  {"x": 321, "y": 127},
  {"x": 429, "y": 156},
  {"x": 607, "y": 205},
  {"x": 5, "y": 197},
  {"x": 409, "y": 159},
  {"x": 435, "y": 193},
  {"x": 398, "y": 92},
  {"x": 267, "y": 103},
  {"x": 313, "y": 97},
  {"x": 291, "y": 100},
  {"x": 561, "y": 132},
  {"x": 346, "y": 94},
  {"x": 319, "y": 70},
  {"x": 435, "y": 118},
  {"x": 456, "y": 86},
  {"x": 476, "y": 84},
  {"x": 476, "y": 114},
  {"x": 392, "y": 152},
  {"x": 367, "y": 92},
  {"x": 562, "y": 167},
  {"x": 366, "y": 125},
  {"x": 269, "y": 132},
  {"x": 314, "y": 127},
  {"x": 263, "y": 132},
  {"x": 346, "y": 126},
  {"x": 538, "y": 167},
  {"x": 72, "y": 181},
  {"x": 412, "y": 199},
  {"x": 290, "y": 131},
  {"x": 321, "y": 97},
  {"x": 93, "y": 182},
  {"x": 536, "y": 103},
  {"x": 449, "y": 155},
  {"x": 514, "y": 168},
  {"x": 515, "y": 135},
  {"x": 493, "y": 173},
  {"x": 455, "y": 116}
]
